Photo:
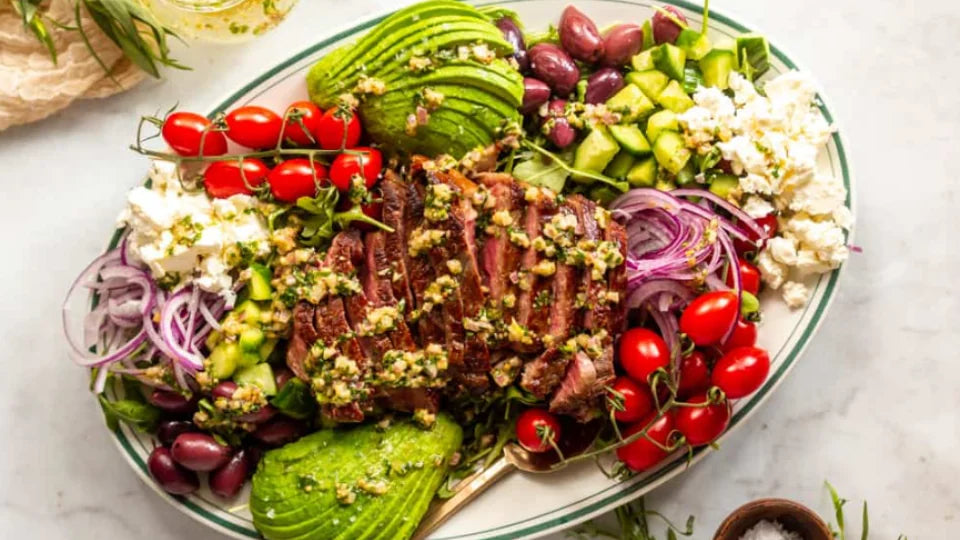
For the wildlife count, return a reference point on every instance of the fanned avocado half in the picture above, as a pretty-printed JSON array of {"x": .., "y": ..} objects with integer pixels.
[
  {"x": 356, "y": 483},
  {"x": 467, "y": 92}
]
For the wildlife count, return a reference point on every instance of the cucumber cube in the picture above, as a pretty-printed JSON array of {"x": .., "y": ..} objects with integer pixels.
[
  {"x": 651, "y": 82},
  {"x": 753, "y": 53},
  {"x": 692, "y": 79},
  {"x": 665, "y": 185},
  {"x": 631, "y": 103},
  {"x": 664, "y": 120},
  {"x": 724, "y": 184},
  {"x": 648, "y": 41},
  {"x": 620, "y": 166},
  {"x": 642, "y": 61},
  {"x": 670, "y": 59},
  {"x": 671, "y": 151},
  {"x": 695, "y": 44},
  {"x": 631, "y": 139},
  {"x": 716, "y": 67},
  {"x": 259, "y": 285},
  {"x": 644, "y": 173},
  {"x": 595, "y": 152},
  {"x": 259, "y": 375},
  {"x": 603, "y": 194},
  {"x": 267, "y": 349},
  {"x": 674, "y": 98},
  {"x": 251, "y": 339},
  {"x": 222, "y": 361}
]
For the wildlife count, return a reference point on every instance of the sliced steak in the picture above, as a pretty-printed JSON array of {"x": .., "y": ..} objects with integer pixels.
[
  {"x": 531, "y": 313},
  {"x": 378, "y": 287},
  {"x": 578, "y": 391},
  {"x": 410, "y": 399},
  {"x": 617, "y": 278},
  {"x": 395, "y": 195},
  {"x": 304, "y": 335},
  {"x": 595, "y": 311},
  {"x": 500, "y": 256},
  {"x": 563, "y": 294},
  {"x": 542, "y": 374}
]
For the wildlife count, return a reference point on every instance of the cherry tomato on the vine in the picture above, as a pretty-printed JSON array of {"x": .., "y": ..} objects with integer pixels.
[
  {"x": 294, "y": 178},
  {"x": 702, "y": 425},
  {"x": 183, "y": 131},
  {"x": 642, "y": 454},
  {"x": 632, "y": 400},
  {"x": 307, "y": 114},
  {"x": 741, "y": 371},
  {"x": 537, "y": 430},
  {"x": 642, "y": 352},
  {"x": 694, "y": 374},
  {"x": 744, "y": 335},
  {"x": 366, "y": 165},
  {"x": 254, "y": 126},
  {"x": 769, "y": 225},
  {"x": 749, "y": 277},
  {"x": 338, "y": 128},
  {"x": 708, "y": 317},
  {"x": 223, "y": 179}
]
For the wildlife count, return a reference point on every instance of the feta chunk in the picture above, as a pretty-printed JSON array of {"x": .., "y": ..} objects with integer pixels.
[{"x": 795, "y": 294}]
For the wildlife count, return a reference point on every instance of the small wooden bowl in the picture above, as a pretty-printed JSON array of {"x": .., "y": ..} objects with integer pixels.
[{"x": 793, "y": 516}]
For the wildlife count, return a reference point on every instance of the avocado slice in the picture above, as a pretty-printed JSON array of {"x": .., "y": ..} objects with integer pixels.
[{"x": 294, "y": 489}]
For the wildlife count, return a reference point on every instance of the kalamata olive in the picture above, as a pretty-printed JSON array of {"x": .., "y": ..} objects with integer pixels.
[
  {"x": 254, "y": 452},
  {"x": 224, "y": 389},
  {"x": 199, "y": 452},
  {"x": 169, "y": 430},
  {"x": 579, "y": 36},
  {"x": 172, "y": 477},
  {"x": 560, "y": 133},
  {"x": 227, "y": 480},
  {"x": 602, "y": 85},
  {"x": 279, "y": 431},
  {"x": 262, "y": 415},
  {"x": 281, "y": 375},
  {"x": 664, "y": 29},
  {"x": 511, "y": 32},
  {"x": 172, "y": 402},
  {"x": 553, "y": 65},
  {"x": 620, "y": 43},
  {"x": 535, "y": 94}
]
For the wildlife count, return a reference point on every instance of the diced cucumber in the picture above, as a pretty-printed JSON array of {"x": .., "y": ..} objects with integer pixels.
[
  {"x": 687, "y": 175},
  {"x": 631, "y": 103},
  {"x": 248, "y": 358},
  {"x": 648, "y": 41},
  {"x": 267, "y": 349},
  {"x": 753, "y": 54},
  {"x": 260, "y": 277},
  {"x": 674, "y": 98},
  {"x": 620, "y": 166},
  {"x": 723, "y": 185},
  {"x": 695, "y": 44},
  {"x": 581, "y": 90},
  {"x": 259, "y": 375},
  {"x": 670, "y": 59},
  {"x": 222, "y": 361},
  {"x": 716, "y": 67},
  {"x": 651, "y": 82},
  {"x": 665, "y": 185},
  {"x": 603, "y": 194},
  {"x": 595, "y": 152},
  {"x": 665, "y": 120},
  {"x": 644, "y": 173},
  {"x": 251, "y": 339},
  {"x": 631, "y": 139},
  {"x": 248, "y": 311},
  {"x": 692, "y": 79},
  {"x": 213, "y": 339},
  {"x": 642, "y": 61},
  {"x": 671, "y": 151}
]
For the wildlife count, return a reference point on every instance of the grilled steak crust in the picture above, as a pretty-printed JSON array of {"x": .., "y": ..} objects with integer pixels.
[
  {"x": 595, "y": 313},
  {"x": 500, "y": 257},
  {"x": 617, "y": 280},
  {"x": 304, "y": 335},
  {"x": 394, "y": 192},
  {"x": 378, "y": 279}
]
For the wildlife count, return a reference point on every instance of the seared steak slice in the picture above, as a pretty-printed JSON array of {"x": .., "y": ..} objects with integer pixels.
[
  {"x": 334, "y": 331},
  {"x": 500, "y": 256},
  {"x": 542, "y": 374},
  {"x": 580, "y": 387},
  {"x": 562, "y": 295},
  {"x": 410, "y": 399},
  {"x": 304, "y": 335},
  {"x": 378, "y": 287},
  {"x": 596, "y": 312},
  {"x": 395, "y": 244},
  {"x": 617, "y": 278},
  {"x": 532, "y": 313},
  {"x": 421, "y": 270}
]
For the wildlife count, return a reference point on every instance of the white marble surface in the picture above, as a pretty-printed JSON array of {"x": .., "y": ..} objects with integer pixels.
[{"x": 872, "y": 406}]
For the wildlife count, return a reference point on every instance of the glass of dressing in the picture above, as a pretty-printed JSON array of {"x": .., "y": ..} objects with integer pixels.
[{"x": 220, "y": 20}]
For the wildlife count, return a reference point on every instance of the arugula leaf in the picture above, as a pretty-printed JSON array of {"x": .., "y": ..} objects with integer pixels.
[
  {"x": 535, "y": 171},
  {"x": 142, "y": 415},
  {"x": 295, "y": 400}
]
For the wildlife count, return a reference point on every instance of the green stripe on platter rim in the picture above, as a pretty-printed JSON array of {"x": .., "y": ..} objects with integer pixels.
[{"x": 623, "y": 491}]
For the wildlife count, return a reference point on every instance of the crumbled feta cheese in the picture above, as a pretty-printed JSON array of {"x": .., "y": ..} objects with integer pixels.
[
  {"x": 757, "y": 207},
  {"x": 795, "y": 294},
  {"x": 773, "y": 273},
  {"x": 783, "y": 250}
]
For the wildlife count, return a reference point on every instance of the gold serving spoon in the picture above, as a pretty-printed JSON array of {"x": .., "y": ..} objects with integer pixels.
[{"x": 577, "y": 439}]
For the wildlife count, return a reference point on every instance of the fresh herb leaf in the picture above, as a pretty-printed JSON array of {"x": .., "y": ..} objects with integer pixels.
[
  {"x": 865, "y": 531},
  {"x": 619, "y": 185},
  {"x": 838, "y": 503},
  {"x": 538, "y": 172},
  {"x": 33, "y": 20},
  {"x": 142, "y": 415},
  {"x": 706, "y": 17},
  {"x": 294, "y": 400}
]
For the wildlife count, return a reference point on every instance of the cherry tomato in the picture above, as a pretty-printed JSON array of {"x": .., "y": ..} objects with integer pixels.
[
  {"x": 345, "y": 166},
  {"x": 293, "y": 179},
  {"x": 642, "y": 454},
  {"x": 709, "y": 316},
  {"x": 642, "y": 352},
  {"x": 309, "y": 115},
  {"x": 254, "y": 127},
  {"x": 702, "y": 425},
  {"x": 636, "y": 400},
  {"x": 183, "y": 131},
  {"x": 694, "y": 374},
  {"x": 741, "y": 371},
  {"x": 749, "y": 277},
  {"x": 769, "y": 225},
  {"x": 744, "y": 335},
  {"x": 223, "y": 179},
  {"x": 333, "y": 133},
  {"x": 536, "y": 428}
]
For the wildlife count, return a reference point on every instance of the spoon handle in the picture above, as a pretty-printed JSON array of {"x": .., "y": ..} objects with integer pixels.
[{"x": 441, "y": 511}]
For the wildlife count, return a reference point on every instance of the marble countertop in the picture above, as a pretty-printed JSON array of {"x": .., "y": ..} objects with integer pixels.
[{"x": 872, "y": 406}]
